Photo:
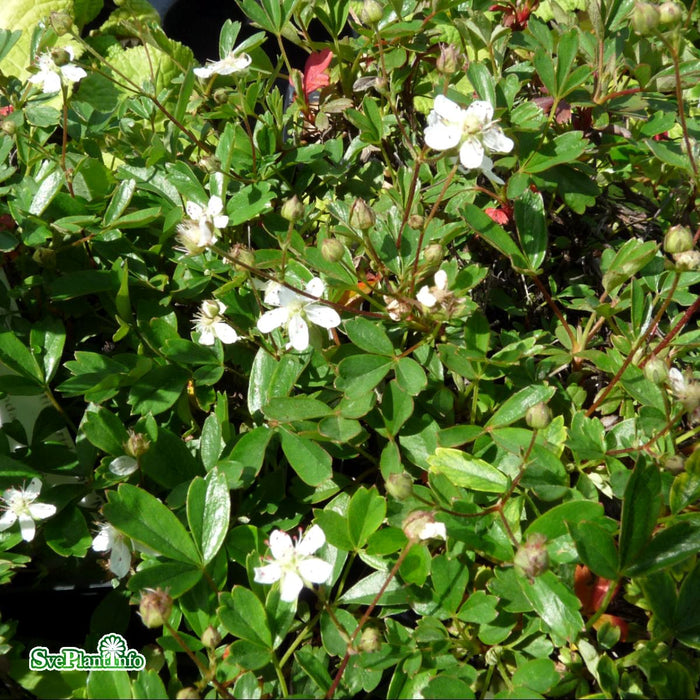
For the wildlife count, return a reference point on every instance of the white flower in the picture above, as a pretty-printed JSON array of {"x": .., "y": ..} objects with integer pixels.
[
  {"x": 19, "y": 505},
  {"x": 431, "y": 531},
  {"x": 471, "y": 129},
  {"x": 292, "y": 565},
  {"x": 51, "y": 75},
  {"x": 232, "y": 63},
  {"x": 211, "y": 214},
  {"x": 108, "y": 539},
  {"x": 430, "y": 298},
  {"x": 210, "y": 324},
  {"x": 294, "y": 310},
  {"x": 685, "y": 389}
]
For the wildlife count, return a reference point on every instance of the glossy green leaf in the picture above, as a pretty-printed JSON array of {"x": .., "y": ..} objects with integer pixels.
[
  {"x": 369, "y": 336},
  {"x": 669, "y": 547},
  {"x": 211, "y": 442},
  {"x": 47, "y": 338},
  {"x": 366, "y": 512},
  {"x": 208, "y": 512},
  {"x": 467, "y": 472},
  {"x": 532, "y": 228},
  {"x": 176, "y": 577},
  {"x": 158, "y": 390},
  {"x": 596, "y": 547},
  {"x": 308, "y": 459},
  {"x": 515, "y": 407},
  {"x": 108, "y": 685},
  {"x": 15, "y": 355},
  {"x": 105, "y": 431},
  {"x": 243, "y": 615},
  {"x": 294, "y": 408}
]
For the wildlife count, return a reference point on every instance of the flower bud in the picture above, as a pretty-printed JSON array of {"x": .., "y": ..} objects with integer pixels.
[
  {"x": 188, "y": 693},
  {"x": 60, "y": 57},
  {"x": 532, "y": 558},
  {"x": 433, "y": 254},
  {"x": 655, "y": 370},
  {"x": 674, "y": 464},
  {"x": 243, "y": 255},
  {"x": 155, "y": 607},
  {"x": 136, "y": 445},
  {"x": 220, "y": 96},
  {"x": 361, "y": 215},
  {"x": 670, "y": 13},
  {"x": 539, "y": 416},
  {"x": 421, "y": 525},
  {"x": 370, "y": 640},
  {"x": 416, "y": 221},
  {"x": 645, "y": 18},
  {"x": 210, "y": 163},
  {"x": 211, "y": 638},
  {"x": 399, "y": 486},
  {"x": 678, "y": 239},
  {"x": 448, "y": 60},
  {"x": 8, "y": 126},
  {"x": 46, "y": 257},
  {"x": 687, "y": 261},
  {"x": 61, "y": 22},
  {"x": 371, "y": 12},
  {"x": 292, "y": 209},
  {"x": 332, "y": 250}
]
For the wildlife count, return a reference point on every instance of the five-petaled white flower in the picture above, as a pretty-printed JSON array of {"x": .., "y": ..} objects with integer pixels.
[
  {"x": 211, "y": 214},
  {"x": 20, "y": 505},
  {"x": 55, "y": 67},
  {"x": 294, "y": 310},
  {"x": 198, "y": 232},
  {"x": 233, "y": 62},
  {"x": 210, "y": 324},
  {"x": 292, "y": 564},
  {"x": 471, "y": 129},
  {"x": 109, "y": 539}
]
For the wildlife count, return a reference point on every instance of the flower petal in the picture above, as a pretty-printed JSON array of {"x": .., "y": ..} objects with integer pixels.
[
  {"x": 34, "y": 489},
  {"x": 194, "y": 210},
  {"x": 206, "y": 337},
  {"x": 315, "y": 570},
  {"x": 40, "y": 511},
  {"x": 441, "y": 280},
  {"x": 72, "y": 73},
  {"x": 433, "y": 530},
  {"x": 323, "y": 316},
  {"x": 120, "y": 558},
  {"x": 102, "y": 542},
  {"x": 215, "y": 206},
  {"x": 281, "y": 544},
  {"x": 204, "y": 73},
  {"x": 495, "y": 140},
  {"x": 448, "y": 111},
  {"x": 225, "y": 333},
  {"x": 482, "y": 110},
  {"x": 298, "y": 332},
  {"x": 315, "y": 287},
  {"x": 290, "y": 586},
  {"x": 123, "y": 466},
  {"x": 268, "y": 573},
  {"x": 7, "y": 520},
  {"x": 441, "y": 137},
  {"x": 426, "y": 297},
  {"x": 221, "y": 221},
  {"x": 273, "y": 319},
  {"x": 471, "y": 154},
  {"x": 314, "y": 538},
  {"x": 27, "y": 527}
]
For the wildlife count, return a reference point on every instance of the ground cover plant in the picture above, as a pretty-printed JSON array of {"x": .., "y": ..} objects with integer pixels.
[{"x": 371, "y": 376}]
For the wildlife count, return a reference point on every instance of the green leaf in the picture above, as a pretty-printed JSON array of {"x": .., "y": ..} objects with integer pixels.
[
  {"x": 105, "y": 431},
  {"x": 479, "y": 609},
  {"x": 144, "y": 518},
  {"x": 366, "y": 512},
  {"x": 208, "y": 513},
  {"x": 555, "y": 604},
  {"x": 660, "y": 592},
  {"x": 596, "y": 547},
  {"x": 48, "y": 189},
  {"x": 494, "y": 235},
  {"x": 47, "y": 338},
  {"x": 8, "y": 39},
  {"x": 308, "y": 459},
  {"x": 532, "y": 228},
  {"x": 17, "y": 357},
  {"x": 83, "y": 282},
  {"x": 67, "y": 533},
  {"x": 109, "y": 685},
  {"x": 641, "y": 506},
  {"x": 313, "y": 662},
  {"x": 669, "y": 547},
  {"x": 466, "y": 471},
  {"x": 539, "y": 675},
  {"x": 630, "y": 259},
  {"x": 365, "y": 591},
  {"x": 158, "y": 390},
  {"x": 168, "y": 461},
  {"x": 410, "y": 376},
  {"x": 211, "y": 442},
  {"x": 120, "y": 201},
  {"x": 244, "y": 616},
  {"x": 176, "y": 577},
  {"x": 293, "y": 408},
  {"x": 565, "y": 148},
  {"x": 369, "y": 336},
  {"x": 515, "y": 407},
  {"x": 397, "y": 407},
  {"x": 148, "y": 685},
  {"x": 271, "y": 378},
  {"x": 359, "y": 374}
]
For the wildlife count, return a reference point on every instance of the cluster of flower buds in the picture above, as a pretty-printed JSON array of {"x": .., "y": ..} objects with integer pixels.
[
  {"x": 679, "y": 244},
  {"x": 647, "y": 17}
]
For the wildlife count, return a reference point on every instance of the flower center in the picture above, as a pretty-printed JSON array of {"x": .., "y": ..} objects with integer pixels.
[{"x": 471, "y": 125}]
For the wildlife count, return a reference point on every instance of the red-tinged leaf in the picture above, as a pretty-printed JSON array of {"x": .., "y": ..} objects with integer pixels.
[
  {"x": 315, "y": 76},
  {"x": 497, "y": 215}
]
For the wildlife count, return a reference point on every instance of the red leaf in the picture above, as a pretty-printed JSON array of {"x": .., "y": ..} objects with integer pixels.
[{"x": 315, "y": 76}]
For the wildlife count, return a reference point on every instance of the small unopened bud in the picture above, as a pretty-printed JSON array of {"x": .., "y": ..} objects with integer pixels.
[
  {"x": 539, "y": 416},
  {"x": 243, "y": 255},
  {"x": 645, "y": 18},
  {"x": 421, "y": 525},
  {"x": 46, "y": 257},
  {"x": 493, "y": 655},
  {"x": 448, "y": 60},
  {"x": 220, "y": 96},
  {"x": 434, "y": 253},
  {"x": 155, "y": 658},
  {"x": 532, "y": 558},
  {"x": 211, "y": 637},
  {"x": 399, "y": 486},
  {"x": 670, "y": 13},
  {"x": 370, "y": 640},
  {"x": 155, "y": 607},
  {"x": 674, "y": 464},
  {"x": 332, "y": 250},
  {"x": 61, "y": 22},
  {"x": 687, "y": 261},
  {"x": 656, "y": 371},
  {"x": 209, "y": 163},
  {"x": 678, "y": 239},
  {"x": 416, "y": 221},
  {"x": 60, "y": 57},
  {"x": 136, "y": 445},
  {"x": 8, "y": 126},
  {"x": 188, "y": 693},
  {"x": 292, "y": 209},
  {"x": 371, "y": 12},
  {"x": 361, "y": 215}
]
